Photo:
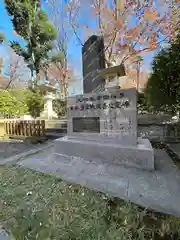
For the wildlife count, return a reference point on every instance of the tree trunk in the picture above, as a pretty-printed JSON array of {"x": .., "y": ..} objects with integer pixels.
[
  {"x": 37, "y": 77},
  {"x": 32, "y": 79}
]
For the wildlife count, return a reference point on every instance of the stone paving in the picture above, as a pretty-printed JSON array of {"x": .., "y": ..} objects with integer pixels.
[
  {"x": 12, "y": 151},
  {"x": 4, "y": 235},
  {"x": 175, "y": 148},
  {"x": 158, "y": 190},
  {"x": 10, "y": 148}
]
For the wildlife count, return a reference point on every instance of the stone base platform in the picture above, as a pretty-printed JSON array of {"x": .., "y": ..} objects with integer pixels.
[{"x": 140, "y": 156}]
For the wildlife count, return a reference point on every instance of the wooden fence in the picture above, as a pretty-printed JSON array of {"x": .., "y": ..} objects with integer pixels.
[{"x": 21, "y": 128}]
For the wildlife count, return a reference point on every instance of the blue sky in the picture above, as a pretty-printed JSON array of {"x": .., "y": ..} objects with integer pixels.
[
  {"x": 74, "y": 47},
  {"x": 75, "y": 57},
  {"x": 7, "y": 29}
]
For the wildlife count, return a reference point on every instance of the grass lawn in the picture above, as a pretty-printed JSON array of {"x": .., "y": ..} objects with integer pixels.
[{"x": 38, "y": 206}]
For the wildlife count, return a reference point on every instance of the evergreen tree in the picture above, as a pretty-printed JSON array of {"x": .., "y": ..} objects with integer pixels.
[
  {"x": 163, "y": 87},
  {"x": 31, "y": 23},
  {"x": 2, "y": 39}
]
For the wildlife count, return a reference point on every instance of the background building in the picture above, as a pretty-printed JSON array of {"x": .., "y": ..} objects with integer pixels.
[{"x": 133, "y": 80}]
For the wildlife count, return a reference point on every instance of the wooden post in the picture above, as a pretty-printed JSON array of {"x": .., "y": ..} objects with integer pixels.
[
  {"x": 30, "y": 128},
  {"x": 16, "y": 128},
  {"x": 26, "y": 128},
  {"x": 10, "y": 127},
  {"x": 13, "y": 127},
  {"x": 38, "y": 128},
  {"x": 43, "y": 127},
  {"x": 21, "y": 128},
  {"x": 33, "y": 128},
  {"x": 7, "y": 128}
]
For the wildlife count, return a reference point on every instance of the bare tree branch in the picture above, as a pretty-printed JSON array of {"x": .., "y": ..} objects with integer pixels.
[{"x": 17, "y": 71}]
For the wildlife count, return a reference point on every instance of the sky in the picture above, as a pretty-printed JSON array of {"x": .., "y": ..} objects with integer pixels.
[
  {"x": 7, "y": 29},
  {"x": 75, "y": 57},
  {"x": 75, "y": 49}
]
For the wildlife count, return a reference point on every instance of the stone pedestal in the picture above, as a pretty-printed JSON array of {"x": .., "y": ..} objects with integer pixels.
[
  {"x": 103, "y": 127},
  {"x": 48, "y": 112},
  {"x": 139, "y": 156}
]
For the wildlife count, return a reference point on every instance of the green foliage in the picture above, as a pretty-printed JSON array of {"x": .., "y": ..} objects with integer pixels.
[
  {"x": 16, "y": 102},
  {"x": 142, "y": 105},
  {"x": 163, "y": 88},
  {"x": 2, "y": 37},
  {"x": 59, "y": 57},
  {"x": 12, "y": 102},
  {"x": 34, "y": 101},
  {"x": 60, "y": 107},
  {"x": 31, "y": 23}
]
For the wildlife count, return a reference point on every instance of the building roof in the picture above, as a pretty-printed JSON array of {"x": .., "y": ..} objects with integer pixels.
[{"x": 114, "y": 70}]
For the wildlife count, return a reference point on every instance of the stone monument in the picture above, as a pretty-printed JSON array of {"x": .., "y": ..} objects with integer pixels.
[
  {"x": 103, "y": 127},
  {"x": 48, "y": 112},
  {"x": 93, "y": 58}
]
